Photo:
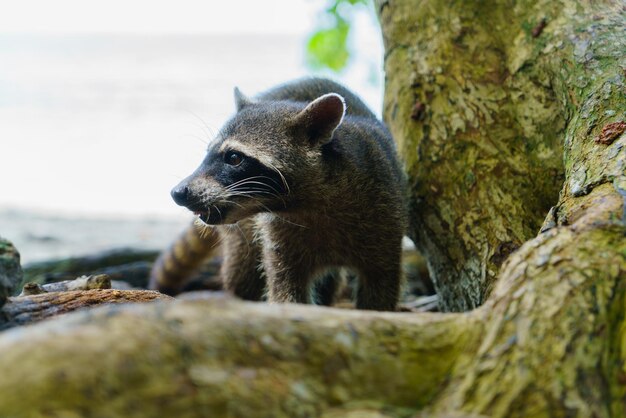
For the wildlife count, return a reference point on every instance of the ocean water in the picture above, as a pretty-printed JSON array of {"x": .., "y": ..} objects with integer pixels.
[
  {"x": 100, "y": 127},
  {"x": 42, "y": 236}
]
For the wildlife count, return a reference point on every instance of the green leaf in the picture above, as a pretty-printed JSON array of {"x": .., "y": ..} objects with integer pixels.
[{"x": 327, "y": 48}]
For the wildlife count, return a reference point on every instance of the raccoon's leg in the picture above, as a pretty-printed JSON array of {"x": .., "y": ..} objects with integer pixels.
[
  {"x": 241, "y": 271},
  {"x": 379, "y": 281},
  {"x": 288, "y": 277},
  {"x": 175, "y": 265},
  {"x": 327, "y": 287},
  {"x": 289, "y": 286}
]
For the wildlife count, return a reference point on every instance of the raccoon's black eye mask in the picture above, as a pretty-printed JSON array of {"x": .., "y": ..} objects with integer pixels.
[{"x": 243, "y": 173}]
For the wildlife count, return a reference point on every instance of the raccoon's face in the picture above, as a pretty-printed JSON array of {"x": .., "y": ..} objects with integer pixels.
[
  {"x": 259, "y": 158},
  {"x": 230, "y": 185}
]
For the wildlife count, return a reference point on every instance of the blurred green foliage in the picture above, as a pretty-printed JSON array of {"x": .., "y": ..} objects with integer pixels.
[{"x": 328, "y": 46}]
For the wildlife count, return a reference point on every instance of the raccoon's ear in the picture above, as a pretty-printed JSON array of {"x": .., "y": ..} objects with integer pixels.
[
  {"x": 241, "y": 100},
  {"x": 321, "y": 117}
]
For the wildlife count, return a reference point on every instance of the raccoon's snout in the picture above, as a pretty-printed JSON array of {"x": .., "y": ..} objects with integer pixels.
[
  {"x": 184, "y": 195},
  {"x": 181, "y": 194}
]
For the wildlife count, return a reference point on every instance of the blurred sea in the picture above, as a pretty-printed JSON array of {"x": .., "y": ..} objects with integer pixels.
[
  {"x": 45, "y": 236},
  {"x": 96, "y": 129}
]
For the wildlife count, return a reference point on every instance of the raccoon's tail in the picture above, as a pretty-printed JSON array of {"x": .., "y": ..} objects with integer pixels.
[{"x": 186, "y": 255}]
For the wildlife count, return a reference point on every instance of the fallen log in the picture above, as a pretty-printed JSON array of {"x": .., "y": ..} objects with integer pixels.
[
  {"x": 218, "y": 356},
  {"x": 22, "y": 310}
]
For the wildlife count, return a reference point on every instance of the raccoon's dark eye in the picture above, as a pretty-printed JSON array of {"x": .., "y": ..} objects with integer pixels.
[{"x": 233, "y": 158}]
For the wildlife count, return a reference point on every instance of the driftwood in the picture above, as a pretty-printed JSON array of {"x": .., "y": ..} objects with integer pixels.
[
  {"x": 100, "y": 281},
  {"x": 218, "y": 356},
  {"x": 37, "y": 302},
  {"x": 23, "y": 310}
]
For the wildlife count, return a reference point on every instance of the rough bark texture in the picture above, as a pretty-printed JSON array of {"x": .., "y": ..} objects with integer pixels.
[
  {"x": 511, "y": 94},
  {"x": 223, "y": 357},
  {"x": 483, "y": 97},
  {"x": 23, "y": 310}
]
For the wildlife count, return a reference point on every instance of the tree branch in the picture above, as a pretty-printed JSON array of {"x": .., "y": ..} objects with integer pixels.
[{"x": 229, "y": 357}]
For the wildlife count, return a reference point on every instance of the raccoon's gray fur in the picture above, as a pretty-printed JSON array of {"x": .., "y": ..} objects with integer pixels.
[{"x": 302, "y": 180}]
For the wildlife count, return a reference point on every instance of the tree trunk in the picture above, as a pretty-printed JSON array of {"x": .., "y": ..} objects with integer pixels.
[
  {"x": 484, "y": 98},
  {"x": 495, "y": 105}
]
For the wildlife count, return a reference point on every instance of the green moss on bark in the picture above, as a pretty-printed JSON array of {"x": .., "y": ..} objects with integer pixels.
[{"x": 498, "y": 85}]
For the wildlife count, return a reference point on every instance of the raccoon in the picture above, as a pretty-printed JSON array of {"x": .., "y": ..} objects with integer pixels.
[{"x": 301, "y": 181}]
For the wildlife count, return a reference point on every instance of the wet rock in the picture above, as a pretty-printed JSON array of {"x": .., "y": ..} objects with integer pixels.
[{"x": 10, "y": 269}]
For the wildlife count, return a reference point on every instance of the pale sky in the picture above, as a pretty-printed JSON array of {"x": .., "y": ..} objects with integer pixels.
[{"x": 160, "y": 16}]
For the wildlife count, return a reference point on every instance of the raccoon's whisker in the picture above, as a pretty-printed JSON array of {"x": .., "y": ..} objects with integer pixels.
[
  {"x": 292, "y": 223},
  {"x": 250, "y": 180},
  {"x": 245, "y": 194},
  {"x": 203, "y": 229},
  {"x": 206, "y": 128},
  {"x": 258, "y": 202},
  {"x": 223, "y": 197},
  {"x": 238, "y": 227},
  {"x": 251, "y": 193},
  {"x": 255, "y": 182},
  {"x": 250, "y": 188},
  {"x": 281, "y": 176},
  {"x": 219, "y": 211},
  {"x": 246, "y": 179},
  {"x": 288, "y": 221},
  {"x": 235, "y": 184},
  {"x": 225, "y": 200},
  {"x": 283, "y": 219}
]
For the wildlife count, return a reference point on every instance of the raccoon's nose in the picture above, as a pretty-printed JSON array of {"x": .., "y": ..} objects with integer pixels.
[{"x": 180, "y": 194}]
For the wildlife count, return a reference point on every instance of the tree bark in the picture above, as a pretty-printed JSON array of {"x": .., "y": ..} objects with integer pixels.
[
  {"x": 484, "y": 98},
  {"x": 24, "y": 310},
  {"x": 223, "y": 357},
  {"x": 512, "y": 96}
]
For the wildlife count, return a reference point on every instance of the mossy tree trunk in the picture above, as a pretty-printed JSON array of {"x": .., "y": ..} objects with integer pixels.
[
  {"x": 497, "y": 107},
  {"x": 488, "y": 100}
]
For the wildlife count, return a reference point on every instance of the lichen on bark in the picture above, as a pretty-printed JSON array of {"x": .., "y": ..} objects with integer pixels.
[{"x": 500, "y": 100}]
